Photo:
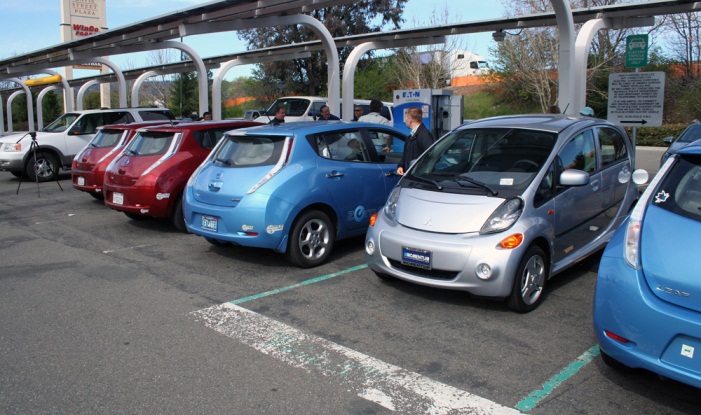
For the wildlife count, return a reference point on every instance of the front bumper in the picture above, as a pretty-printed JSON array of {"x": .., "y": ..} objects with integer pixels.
[{"x": 11, "y": 164}]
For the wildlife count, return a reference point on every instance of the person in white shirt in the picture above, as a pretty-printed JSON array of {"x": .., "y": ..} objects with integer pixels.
[{"x": 374, "y": 115}]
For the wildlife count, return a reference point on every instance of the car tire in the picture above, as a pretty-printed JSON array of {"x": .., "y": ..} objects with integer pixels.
[
  {"x": 613, "y": 363},
  {"x": 529, "y": 282},
  {"x": 134, "y": 216},
  {"x": 17, "y": 174},
  {"x": 311, "y": 240},
  {"x": 217, "y": 242},
  {"x": 98, "y": 196},
  {"x": 177, "y": 218},
  {"x": 45, "y": 166}
]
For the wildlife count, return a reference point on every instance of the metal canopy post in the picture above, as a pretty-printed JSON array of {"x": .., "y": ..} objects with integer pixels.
[
  {"x": 137, "y": 86},
  {"x": 565, "y": 25},
  {"x": 30, "y": 107},
  {"x": 115, "y": 69},
  {"x": 81, "y": 92},
  {"x": 40, "y": 110}
]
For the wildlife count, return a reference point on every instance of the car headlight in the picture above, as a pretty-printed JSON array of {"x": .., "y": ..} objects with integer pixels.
[
  {"x": 390, "y": 208},
  {"x": 11, "y": 147},
  {"x": 504, "y": 216}
]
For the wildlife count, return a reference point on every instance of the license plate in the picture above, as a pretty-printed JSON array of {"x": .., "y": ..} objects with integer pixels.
[
  {"x": 209, "y": 223},
  {"x": 118, "y": 198},
  {"x": 419, "y": 258},
  {"x": 81, "y": 181}
]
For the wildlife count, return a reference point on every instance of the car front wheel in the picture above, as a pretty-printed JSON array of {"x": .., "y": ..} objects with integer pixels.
[
  {"x": 529, "y": 281},
  {"x": 311, "y": 240},
  {"x": 43, "y": 167}
]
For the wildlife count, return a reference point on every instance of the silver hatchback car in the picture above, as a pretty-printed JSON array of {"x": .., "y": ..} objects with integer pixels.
[{"x": 498, "y": 206}]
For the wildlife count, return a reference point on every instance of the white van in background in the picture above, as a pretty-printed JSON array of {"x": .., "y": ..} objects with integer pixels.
[{"x": 305, "y": 108}]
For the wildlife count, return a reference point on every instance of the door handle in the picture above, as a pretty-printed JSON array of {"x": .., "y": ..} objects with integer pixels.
[{"x": 334, "y": 174}]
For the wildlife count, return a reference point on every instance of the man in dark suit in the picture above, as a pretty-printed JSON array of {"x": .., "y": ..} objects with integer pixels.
[
  {"x": 418, "y": 141},
  {"x": 279, "y": 116}
]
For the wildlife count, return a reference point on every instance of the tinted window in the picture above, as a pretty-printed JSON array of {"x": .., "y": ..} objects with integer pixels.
[
  {"x": 579, "y": 153},
  {"x": 61, "y": 123},
  {"x": 388, "y": 145},
  {"x": 117, "y": 117},
  {"x": 346, "y": 146},
  {"x": 680, "y": 191},
  {"x": 294, "y": 107},
  {"x": 209, "y": 138},
  {"x": 249, "y": 151},
  {"x": 155, "y": 115},
  {"x": 691, "y": 134},
  {"x": 612, "y": 146},
  {"x": 87, "y": 124},
  {"x": 106, "y": 138},
  {"x": 149, "y": 143}
]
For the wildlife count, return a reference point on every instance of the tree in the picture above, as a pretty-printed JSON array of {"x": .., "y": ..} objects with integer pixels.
[
  {"x": 310, "y": 76},
  {"x": 374, "y": 79},
  {"x": 157, "y": 90},
  {"x": 51, "y": 107},
  {"x": 184, "y": 94}
]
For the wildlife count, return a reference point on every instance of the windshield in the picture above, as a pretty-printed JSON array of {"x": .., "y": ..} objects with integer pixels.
[
  {"x": 149, "y": 143},
  {"x": 691, "y": 134},
  {"x": 249, "y": 151},
  {"x": 61, "y": 123},
  {"x": 294, "y": 107},
  {"x": 106, "y": 138},
  {"x": 484, "y": 161}
]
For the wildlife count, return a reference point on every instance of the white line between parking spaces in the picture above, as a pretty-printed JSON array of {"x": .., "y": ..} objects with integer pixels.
[
  {"x": 127, "y": 248},
  {"x": 387, "y": 385}
]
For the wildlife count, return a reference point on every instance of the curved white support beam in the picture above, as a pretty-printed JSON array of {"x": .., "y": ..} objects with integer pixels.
[
  {"x": 81, "y": 92},
  {"x": 40, "y": 110},
  {"x": 137, "y": 86},
  {"x": 117, "y": 72},
  {"x": 565, "y": 25},
  {"x": 349, "y": 76},
  {"x": 334, "y": 86},
  {"x": 2, "y": 119},
  {"x": 30, "y": 107},
  {"x": 196, "y": 59},
  {"x": 581, "y": 55},
  {"x": 219, "y": 77}
]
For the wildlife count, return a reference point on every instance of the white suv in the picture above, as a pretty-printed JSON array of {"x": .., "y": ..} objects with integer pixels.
[{"x": 61, "y": 140}]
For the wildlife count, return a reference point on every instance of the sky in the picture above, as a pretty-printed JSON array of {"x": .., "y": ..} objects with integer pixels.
[{"x": 25, "y": 29}]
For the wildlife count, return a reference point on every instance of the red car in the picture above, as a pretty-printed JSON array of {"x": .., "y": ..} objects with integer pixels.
[
  {"x": 148, "y": 177},
  {"x": 88, "y": 167}
]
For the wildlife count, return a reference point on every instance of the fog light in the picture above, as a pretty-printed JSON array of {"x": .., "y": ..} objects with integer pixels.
[
  {"x": 370, "y": 246},
  {"x": 483, "y": 271}
]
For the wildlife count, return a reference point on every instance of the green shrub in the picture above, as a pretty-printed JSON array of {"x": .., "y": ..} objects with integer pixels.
[{"x": 652, "y": 136}]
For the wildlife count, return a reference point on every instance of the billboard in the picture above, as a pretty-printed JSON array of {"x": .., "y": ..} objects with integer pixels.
[{"x": 80, "y": 19}]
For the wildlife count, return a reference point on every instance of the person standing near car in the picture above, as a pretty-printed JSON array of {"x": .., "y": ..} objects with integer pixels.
[
  {"x": 418, "y": 141},
  {"x": 325, "y": 114},
  {"x": 374, "y": 115},
  {"x": 357, "y": 112},
  {"x": 279, "y": 116}
]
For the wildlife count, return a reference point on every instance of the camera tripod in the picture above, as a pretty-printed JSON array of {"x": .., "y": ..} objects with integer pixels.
[{"x": 33, "y": 149}]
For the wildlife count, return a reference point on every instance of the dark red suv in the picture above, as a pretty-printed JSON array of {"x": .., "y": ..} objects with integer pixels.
[
  {"x": 88, "y": 167},
  {"x": 147, "y": 178}
]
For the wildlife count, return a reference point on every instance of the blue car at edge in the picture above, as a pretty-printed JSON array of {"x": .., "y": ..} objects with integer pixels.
[
  {"x": 647, "y": 307},
  {"x": 295, "y": 187}
]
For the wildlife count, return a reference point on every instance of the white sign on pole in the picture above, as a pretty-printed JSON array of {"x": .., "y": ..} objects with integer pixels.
[{"x": 636, "y": 99}]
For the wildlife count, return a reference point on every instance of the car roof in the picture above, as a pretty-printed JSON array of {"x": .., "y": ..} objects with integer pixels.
[
  {"x": 202, "y": 125},
  {"x": 544, "y": 122},
  {"x": 310, "y": 127},
  {"x": 133, "y": 125}
]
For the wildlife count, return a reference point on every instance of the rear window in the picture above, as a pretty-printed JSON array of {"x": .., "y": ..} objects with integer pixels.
[
  {"x": 106, "y": 138},
  {"x": 116, "y": 117},
  {"x": 680, "y": 191},
  {"x": 249, "y": 151},
  {"x": 149, "y": 143},
  {"x": 156, "y": 115},
  {"x": 294, "y": 107}
]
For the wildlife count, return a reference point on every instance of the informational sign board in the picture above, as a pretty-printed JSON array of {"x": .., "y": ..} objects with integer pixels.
[
  {"x": 636, "y": 99},
  {"x": 80, "y": 19},
  {"x": 636, "y": 51}
]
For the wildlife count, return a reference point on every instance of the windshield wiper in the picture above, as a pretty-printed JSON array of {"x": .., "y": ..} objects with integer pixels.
[
  {"x": 475, "y": 182},
  {"x": 227, "y": 162},
  {"x": 429, "y": 181}
]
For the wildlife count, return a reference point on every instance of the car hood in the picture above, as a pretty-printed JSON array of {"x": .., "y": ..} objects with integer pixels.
[
  {"x": 225, "y": 186},
  {"x": 13, "y": 138},
  {"x": 668, "y": 253},
  {"x": 444, "y": 212}
]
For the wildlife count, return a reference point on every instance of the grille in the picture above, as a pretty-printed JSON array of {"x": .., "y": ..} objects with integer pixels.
[{"x": 426, "y": 273}]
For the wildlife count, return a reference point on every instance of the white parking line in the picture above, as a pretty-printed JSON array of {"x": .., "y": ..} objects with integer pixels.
[
  {"x": 387, "y": 385},
  {"x": 124, "y": 249}
]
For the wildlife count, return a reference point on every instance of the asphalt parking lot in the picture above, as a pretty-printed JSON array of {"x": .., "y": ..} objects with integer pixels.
[{"x": 103, "y": 314}]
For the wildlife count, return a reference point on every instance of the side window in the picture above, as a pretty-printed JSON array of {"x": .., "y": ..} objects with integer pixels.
[
  {"x": 388, "y": 145},
  {"x": 347, "y": 146},
  {"x": 546, "y": 188},
  {"x": 612, "y": 146},
  {"x": 117, "y": 117},
  {"x": 209, "y": 138},
  {"x": 316, "y": 106},
  {"x": 87, "y": 124},
  {"x": 154, "y": 115},
  {"x": 579, "y": 153}
]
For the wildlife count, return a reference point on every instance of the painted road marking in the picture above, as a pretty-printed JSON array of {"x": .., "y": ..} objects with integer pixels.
[
  {"x": 532, "y": 400},
  {"x": 124, "y": 249},
  {"x": 301, "y": 284},
  {"x": 374, "y": 380}
]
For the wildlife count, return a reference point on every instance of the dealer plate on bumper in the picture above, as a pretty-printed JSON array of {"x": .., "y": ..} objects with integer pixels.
[
  {"x": 419, "y": 258},
  {"x": 209, "y": 223}
]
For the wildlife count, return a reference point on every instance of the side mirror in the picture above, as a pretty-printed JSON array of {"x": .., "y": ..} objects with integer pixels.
[
  {"x": 668, "y": 139},
  {"x": 574, "y": 177}
]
